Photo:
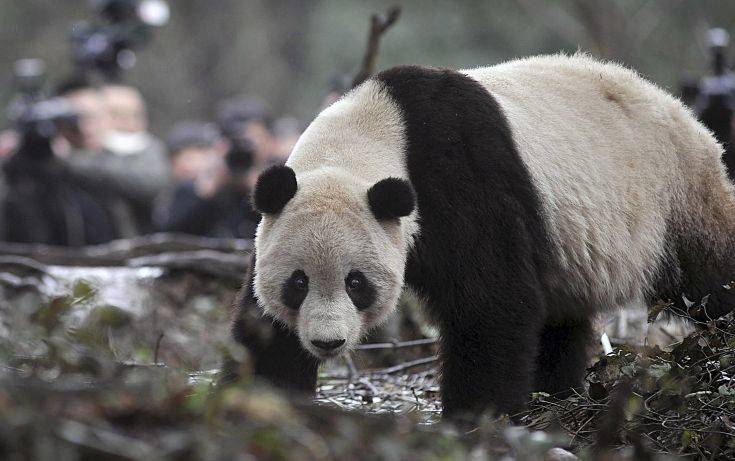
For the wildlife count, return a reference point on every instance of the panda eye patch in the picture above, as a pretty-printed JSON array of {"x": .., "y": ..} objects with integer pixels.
[
  {"x": 360, "y": 290},
  {"x": 295, "y": 289}
]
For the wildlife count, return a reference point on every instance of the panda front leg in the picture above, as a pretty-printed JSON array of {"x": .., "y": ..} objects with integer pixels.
[{"x": 488, "y": 356}]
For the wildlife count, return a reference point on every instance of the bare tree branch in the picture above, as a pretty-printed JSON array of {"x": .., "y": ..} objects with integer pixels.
[
  {"x": 404, "y": 366},
  {"x": 379, "y": 24},
  {"x": 119, "y": 252},
  {"x": 397, "y": 344}
]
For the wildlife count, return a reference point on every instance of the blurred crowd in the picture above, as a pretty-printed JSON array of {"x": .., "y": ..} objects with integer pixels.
[
  {"x": 83, "y": 168},
  {"x": 106, "y": 176}
]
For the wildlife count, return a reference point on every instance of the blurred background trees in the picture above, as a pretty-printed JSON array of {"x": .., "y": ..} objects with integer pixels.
[{"x": 288, "y": 51}]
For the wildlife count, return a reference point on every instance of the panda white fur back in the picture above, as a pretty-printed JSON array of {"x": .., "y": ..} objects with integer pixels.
[
  {"x": 617, "y": 162},
  {"x": 518, "y": 200}
]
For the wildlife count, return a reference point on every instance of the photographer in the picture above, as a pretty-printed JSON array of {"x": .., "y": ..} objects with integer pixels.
[
  {"x": 213, "y": 180},
  {"x": 91, "y": 121},
  {"x": 246, "y": 119},
  {"x": 715, "y": 103},
  {"x": 116, "y": 154},
  {"x": 43, "y": 203},
  {"x": 81, "y": 167}
]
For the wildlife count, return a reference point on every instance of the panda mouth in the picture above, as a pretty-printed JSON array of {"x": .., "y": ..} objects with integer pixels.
[{"x": 326, "y": 353}]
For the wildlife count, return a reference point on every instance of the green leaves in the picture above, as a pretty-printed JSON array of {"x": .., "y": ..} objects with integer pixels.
[
  {"x": 681, "y": 398},
  {"x": 49, "y": 316}
]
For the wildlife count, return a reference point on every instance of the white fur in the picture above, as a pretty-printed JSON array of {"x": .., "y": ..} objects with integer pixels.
[
  {"x": 614, "y": 157},
  {"x": 361, "y": 134}
]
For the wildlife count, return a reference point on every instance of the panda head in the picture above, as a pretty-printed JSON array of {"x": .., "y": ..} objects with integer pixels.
[{"x": 330, "y": 253}]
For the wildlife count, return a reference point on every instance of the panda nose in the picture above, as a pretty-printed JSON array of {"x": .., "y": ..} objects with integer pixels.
[{"x": 328, "y": 345}]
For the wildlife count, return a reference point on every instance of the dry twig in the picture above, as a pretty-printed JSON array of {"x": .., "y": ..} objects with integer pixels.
[{"x": 378, "y": 25}]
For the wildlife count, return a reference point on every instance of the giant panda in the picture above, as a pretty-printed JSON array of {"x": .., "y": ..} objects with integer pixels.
[{"x": 517, "y": 201}]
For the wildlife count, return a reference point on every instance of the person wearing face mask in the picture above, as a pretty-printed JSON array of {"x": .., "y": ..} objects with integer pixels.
[
  {"x": 45, "y": 202},
  {"x": 120, "y": 155}
]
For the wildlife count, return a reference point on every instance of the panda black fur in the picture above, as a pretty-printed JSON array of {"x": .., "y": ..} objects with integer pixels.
[{"x": 545, "y": 190}]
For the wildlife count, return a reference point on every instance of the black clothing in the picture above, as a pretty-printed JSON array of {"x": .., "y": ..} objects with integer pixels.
[
  {"x": 227, "y": 214},
  {"x": 43, "y": 204}
]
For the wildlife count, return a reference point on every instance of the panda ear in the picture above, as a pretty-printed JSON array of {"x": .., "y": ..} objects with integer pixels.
[
  {"x": 391, "y": 198},
  {"x": 275, "y": 187}
]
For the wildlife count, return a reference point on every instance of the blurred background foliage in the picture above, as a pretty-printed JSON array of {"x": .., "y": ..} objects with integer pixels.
[{"x": 288, "y": 51}]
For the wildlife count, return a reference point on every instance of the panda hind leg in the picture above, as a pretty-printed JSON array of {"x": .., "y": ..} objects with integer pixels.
[{"x": 563, "y": 352}]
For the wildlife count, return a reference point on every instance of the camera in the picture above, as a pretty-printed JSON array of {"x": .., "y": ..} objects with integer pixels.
[
  {"x": 240, "y": 158},
  {"x": 718, "y": 40},
  {"x": 107, "y": 44},
  {"x": 36, "y": 118}
]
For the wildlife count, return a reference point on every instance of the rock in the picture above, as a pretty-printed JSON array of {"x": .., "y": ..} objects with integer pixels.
[{"x": 560, "y": 454}]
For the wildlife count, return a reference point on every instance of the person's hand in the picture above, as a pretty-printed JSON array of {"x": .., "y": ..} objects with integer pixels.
[
  {"x": 8, "y": 143},
  {"x": 212, "y": 179},
  {"x": 61, "y": 147}
]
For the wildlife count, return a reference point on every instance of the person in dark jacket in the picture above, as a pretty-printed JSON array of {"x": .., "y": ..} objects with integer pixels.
[
  {"x": 44, "y": 204},
  {"x": 115, "y": 153},
  {"x": 715, "y": 101},
  {"x": 211, "y": 193}
]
